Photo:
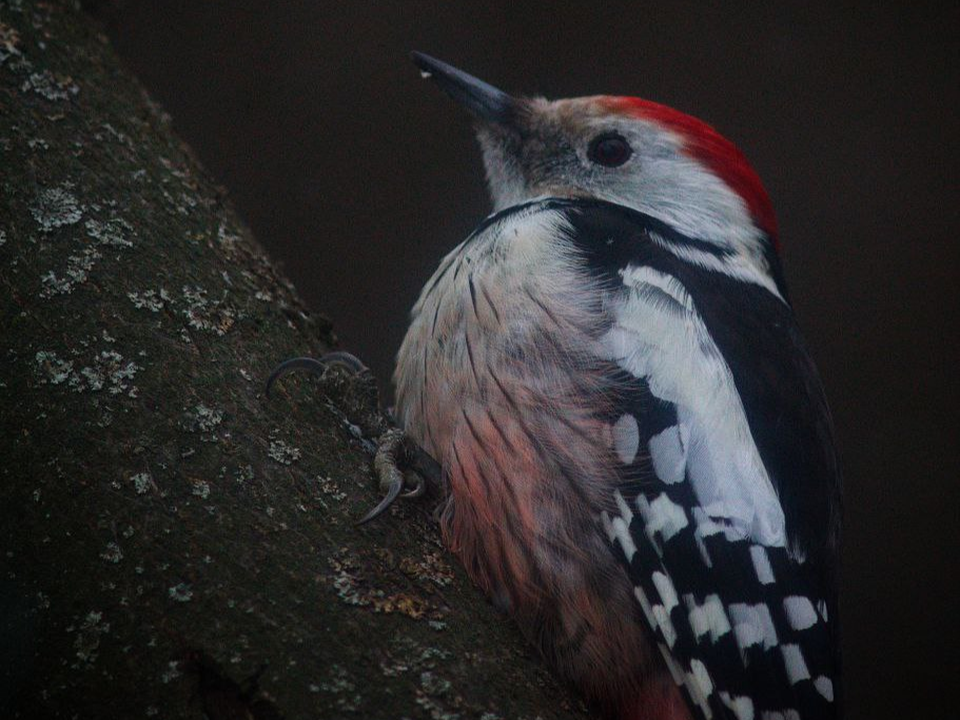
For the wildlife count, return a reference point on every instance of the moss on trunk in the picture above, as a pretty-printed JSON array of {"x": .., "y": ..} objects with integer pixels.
[{"x": 166, "y": 532}]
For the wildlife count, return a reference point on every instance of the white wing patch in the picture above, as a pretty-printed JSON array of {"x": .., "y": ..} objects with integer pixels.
[
  {"x": 617, "y": 530},
  {"x": 799, "y": 612},
  {"x": 708, "y": 618},
  {"x": 775, "y": 715},
  {"x": 626, "y": 438},
  {"x": 752, "y": 625},
  {"x": 668, "y": 452},
  {"x": 741, "y": 706},
  {"x": 658, "y": 335},
  {"x": 824, "y": 686},
  {"x": 700, "y": 685},
  {"x": 796, "y": 665},
  {"x": 761, "y": 564},
  {"x": 661, "y": 515}
]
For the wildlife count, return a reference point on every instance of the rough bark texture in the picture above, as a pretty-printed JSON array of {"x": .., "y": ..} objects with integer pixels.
[{"x": 166, "y": 532}]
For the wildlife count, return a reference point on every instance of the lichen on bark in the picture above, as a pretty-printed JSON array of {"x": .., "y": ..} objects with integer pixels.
[{"x": 173, "y": 543}]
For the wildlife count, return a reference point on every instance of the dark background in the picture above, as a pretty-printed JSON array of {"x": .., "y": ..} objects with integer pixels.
[{"x": 358, "y": 177}]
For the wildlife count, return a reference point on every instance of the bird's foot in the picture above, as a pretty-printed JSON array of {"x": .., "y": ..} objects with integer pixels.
[
  {"x": 350, "y": 387},
  {"x": 400, "y": 463},
  {"x": 351, "y": 363},
  {"x": 403, "y": 468}
]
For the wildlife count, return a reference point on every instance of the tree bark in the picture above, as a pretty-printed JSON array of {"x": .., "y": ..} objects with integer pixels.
[{"x": 173, "y": 543}]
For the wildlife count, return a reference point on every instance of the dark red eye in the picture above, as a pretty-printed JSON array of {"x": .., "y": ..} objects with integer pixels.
[{"x": 609, "y": 150}]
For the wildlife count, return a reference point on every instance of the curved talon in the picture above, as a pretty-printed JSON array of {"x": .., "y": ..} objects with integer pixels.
[
  {"x": 345, "y": 360},
  {"x": 393, "y": 492},
  {"x": 318, "y": 366},
  {"x": 297, "y": 363},
  {"x": 386, "y": 465},
  {"x": 417, "y": 490}
]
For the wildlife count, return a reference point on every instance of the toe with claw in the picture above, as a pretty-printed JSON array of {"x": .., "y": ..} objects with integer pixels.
[
  {"x": 349, "y": 362},
  {"x": 395, "y": 453},
  {"x": 404, "y": 469}
]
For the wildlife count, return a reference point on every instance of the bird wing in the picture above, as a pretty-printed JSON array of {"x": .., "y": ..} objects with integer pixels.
[{"x": 728, "y": 496}]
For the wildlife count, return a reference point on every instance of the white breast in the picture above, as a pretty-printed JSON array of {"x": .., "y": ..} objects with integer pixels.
[{"x": 497, "y": 309}]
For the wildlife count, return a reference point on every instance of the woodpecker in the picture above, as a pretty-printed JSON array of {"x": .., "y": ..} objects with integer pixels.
[{"x": 636, "y": 454}]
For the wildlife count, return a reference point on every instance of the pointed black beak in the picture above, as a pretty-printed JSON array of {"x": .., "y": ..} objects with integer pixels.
[{"x": 484, "y": 101}]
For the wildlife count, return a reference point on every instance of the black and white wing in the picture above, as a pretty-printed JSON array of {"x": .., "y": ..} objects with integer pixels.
[{"x": 729, "y": 502}]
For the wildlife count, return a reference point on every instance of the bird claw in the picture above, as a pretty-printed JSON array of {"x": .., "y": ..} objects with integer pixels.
[
  {"x": 419, "y": 487},
  {"x": 319, "y": 367},
  {"x": 394, "y": 449}
]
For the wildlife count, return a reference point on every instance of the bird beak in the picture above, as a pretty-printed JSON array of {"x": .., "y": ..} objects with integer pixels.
[{"x": 484, "y": 101}]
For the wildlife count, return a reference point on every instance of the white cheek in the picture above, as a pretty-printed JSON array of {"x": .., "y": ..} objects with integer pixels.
[
  {"x": 661, "y": 180},
  {"x": 682, "y": 193}
]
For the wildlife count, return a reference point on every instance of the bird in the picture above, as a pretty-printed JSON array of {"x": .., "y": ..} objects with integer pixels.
[{"x": 636, "y": 457}]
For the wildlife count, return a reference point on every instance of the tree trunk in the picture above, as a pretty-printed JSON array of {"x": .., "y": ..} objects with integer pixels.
[{"x": 173, "y": 543}]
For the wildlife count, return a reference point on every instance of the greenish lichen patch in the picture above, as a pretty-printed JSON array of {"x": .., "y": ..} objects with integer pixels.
[
  {"x": 51, "y": 369},
  {"x": 110, "y": 371},
  {"x": 207, "y": 314},
  {"x": 61, "y": 209},
  {"x": 171, "y": 672},
  {"x": 76, "y": 271},
  {"x": 113, "y": 232},
  {"x": 433, "y": 684},
  {"x": 435, "y": 710},
  {"x": 56, "y": 207},
  {"x": 181, "y": 592},
  {"x": 342, "y": 687},
  {"x": 87, "y": 639},
  {"x": 107, "y": 370},
  {"x": 9, "y": 43},
  {"x": 152, "y": 300},
  {"x": 51, "y": 87},
  {"x": 112, "y": 553},
  {"x": 279, "y": 451},
  {"x": 228, "y": 238},
  {"x": 204, "y": 420},
  {"x": 142, "y": 483},
  {"x": 331, "y": 488}
]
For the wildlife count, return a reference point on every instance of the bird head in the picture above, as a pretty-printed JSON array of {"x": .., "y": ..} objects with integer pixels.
[{"x": 624, "y": 150}]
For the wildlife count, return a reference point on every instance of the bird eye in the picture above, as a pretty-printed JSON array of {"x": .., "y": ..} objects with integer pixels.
[{"x": 609, "y": 150}]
